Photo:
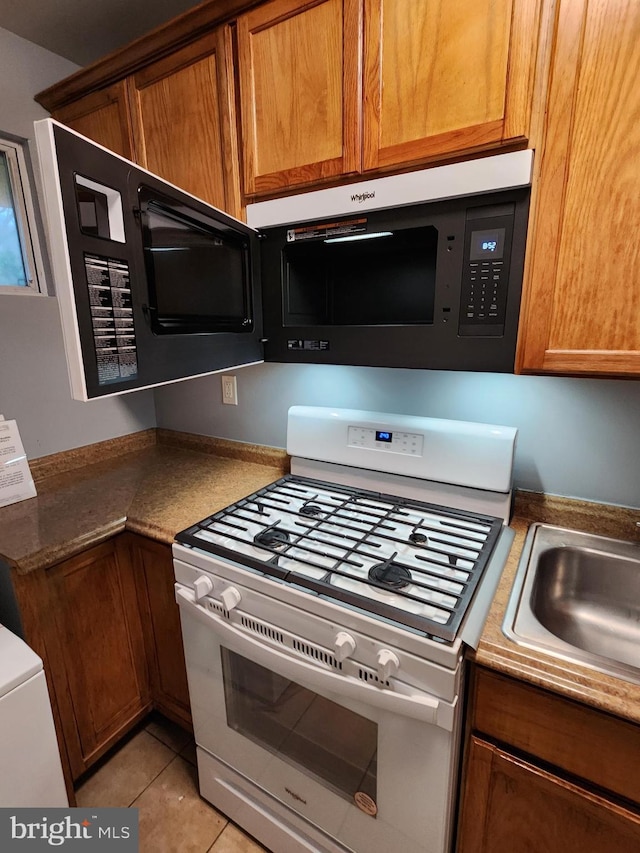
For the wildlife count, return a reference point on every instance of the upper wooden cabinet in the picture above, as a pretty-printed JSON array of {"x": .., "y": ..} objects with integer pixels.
[
  {"x": 175, "y": 117},
  {"x": 299, "y": 87},
  {"x": 337, "y": 87},
  {"x": 182, "y": 109},
  {"x": 580, "y": 313},
  {"x": 442, "y": 77},
  {"x": 327, "y": 89},
  {"x": 104, "y": 117}
]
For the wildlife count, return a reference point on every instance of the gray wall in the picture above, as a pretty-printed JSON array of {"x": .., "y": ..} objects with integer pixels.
[
  {"x": 577, "y": 437},
  {"x": 34, "y": 388}
]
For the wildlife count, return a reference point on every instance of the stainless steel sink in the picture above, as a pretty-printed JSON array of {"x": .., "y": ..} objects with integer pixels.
[{"x": 577, "y": 596}]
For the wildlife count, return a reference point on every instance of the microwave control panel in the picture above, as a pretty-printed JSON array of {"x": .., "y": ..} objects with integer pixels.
[{"x": 485, "y": 275}]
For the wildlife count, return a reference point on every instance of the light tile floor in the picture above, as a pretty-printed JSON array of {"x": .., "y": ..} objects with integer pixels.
[{"x": 155, "y": 772}]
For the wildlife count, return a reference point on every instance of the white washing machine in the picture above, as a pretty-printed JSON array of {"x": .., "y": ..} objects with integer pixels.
[{"x": 29, "y": 757}]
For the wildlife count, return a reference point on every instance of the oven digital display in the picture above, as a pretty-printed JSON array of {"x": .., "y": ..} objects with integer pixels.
[{"x": 384, "y": 436}]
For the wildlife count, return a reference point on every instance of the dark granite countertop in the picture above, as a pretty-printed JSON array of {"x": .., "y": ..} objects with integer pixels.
[{"x": 154, "y": 490}]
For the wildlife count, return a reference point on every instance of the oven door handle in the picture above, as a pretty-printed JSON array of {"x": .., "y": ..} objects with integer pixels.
[{"x": 418, "y": 706}]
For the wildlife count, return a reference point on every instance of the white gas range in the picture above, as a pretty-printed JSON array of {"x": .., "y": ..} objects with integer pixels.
[{"x": 325, "y": 619}]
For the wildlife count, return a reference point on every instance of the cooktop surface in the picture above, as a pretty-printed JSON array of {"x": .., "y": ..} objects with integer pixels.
[{"x": 411, "y": 562}]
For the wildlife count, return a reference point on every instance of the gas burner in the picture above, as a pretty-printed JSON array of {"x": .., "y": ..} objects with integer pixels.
[
  {"x": 417, "y": 538},
  {"x": 272, "y": 537},
  {"x": 311, "y": 509},
  {"x": 390, "y": 574}
]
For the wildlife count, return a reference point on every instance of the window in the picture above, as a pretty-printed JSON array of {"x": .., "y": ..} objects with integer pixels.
[{"x": 20, "y": 261}]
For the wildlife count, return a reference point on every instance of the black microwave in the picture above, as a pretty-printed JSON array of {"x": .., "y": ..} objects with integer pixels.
[
  {"x": 428, "y": 285},
  {"x": 419, "y": 270}
]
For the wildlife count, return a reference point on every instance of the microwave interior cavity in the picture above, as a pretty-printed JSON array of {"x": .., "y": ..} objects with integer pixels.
[{"x": 373, "y": 278}]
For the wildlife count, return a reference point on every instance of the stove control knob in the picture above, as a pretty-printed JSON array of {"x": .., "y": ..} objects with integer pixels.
[
  {"x": 230, "y": 598},
  {"x": 388, "y": 664},
  {"x": 202, "y": 586},
  {"x": 344, "y": 645}
]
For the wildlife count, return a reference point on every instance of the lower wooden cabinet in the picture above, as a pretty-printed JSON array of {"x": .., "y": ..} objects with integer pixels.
[
  {"x": 81, "y": 616},
  {"x": 546, "y": 774},
  {"x": 107, "y": 627},
  {"x": 161, "y": 622},
  {"x": 512, "y": 805}
]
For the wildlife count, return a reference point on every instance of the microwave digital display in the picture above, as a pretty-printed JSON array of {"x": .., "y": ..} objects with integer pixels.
[{"x": 487, "y": 244}]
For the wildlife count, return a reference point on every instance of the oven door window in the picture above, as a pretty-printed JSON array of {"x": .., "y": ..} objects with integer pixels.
[{"x": 330, "y": 742}]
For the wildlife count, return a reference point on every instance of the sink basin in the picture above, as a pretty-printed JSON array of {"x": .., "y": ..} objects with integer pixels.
[{"x": 577, "y": 596}]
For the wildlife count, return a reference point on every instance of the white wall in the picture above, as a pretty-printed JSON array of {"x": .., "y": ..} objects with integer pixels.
[
  {"x": 34, "y": 388},
  {"x": 577, "y": 437}
]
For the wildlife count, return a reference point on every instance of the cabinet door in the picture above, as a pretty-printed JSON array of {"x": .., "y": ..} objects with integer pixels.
[
  {"x": 442, "y": 78},
  {"x": 300, "y": 94},
  {"x": 183, "y": 119},
  {"x": 580, "y": 312},
  {"x": 509, "y": 805},
  {"x": 101, "y": 650},
  {"x": 163, "y": 634},
  {"x": 102, "y": 116}
]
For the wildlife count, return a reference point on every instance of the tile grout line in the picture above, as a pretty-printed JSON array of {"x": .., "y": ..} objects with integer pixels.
[
  {"x": 171, "y": 760},
  {"x": 177, "y": 755}
]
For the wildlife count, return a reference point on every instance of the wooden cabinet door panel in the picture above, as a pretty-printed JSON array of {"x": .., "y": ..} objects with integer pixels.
[
  {"x": 300, "y": 95},
  {"x": 555, "y": 729},
  {"x": 446, "y": 77},
  {"x": 101, "y": 644},
  {"x": 581, "y": 303},
  {"x": 102, "y": 116},
  {"x": 163, "y": 633},
  {"x": 182, "y": 109},
  {"x": 510, "y": 805}
]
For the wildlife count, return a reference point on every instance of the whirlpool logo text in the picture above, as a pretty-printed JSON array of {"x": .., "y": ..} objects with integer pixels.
[{"x": 360, "y": 197}]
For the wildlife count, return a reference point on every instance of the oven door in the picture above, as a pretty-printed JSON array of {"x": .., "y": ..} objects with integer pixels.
[{"x": 323, "y": 754}]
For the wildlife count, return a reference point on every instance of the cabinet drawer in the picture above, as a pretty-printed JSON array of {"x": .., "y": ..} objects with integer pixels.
[{"x": 582, "y": 741}]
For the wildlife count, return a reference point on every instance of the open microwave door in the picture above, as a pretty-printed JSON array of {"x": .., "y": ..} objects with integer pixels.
[{"x": 154, "y": 285}]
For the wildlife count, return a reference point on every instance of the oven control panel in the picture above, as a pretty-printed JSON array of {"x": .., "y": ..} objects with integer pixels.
[
  {"x": 460, "y": 453},
  {"x": 395, "y": 441}
]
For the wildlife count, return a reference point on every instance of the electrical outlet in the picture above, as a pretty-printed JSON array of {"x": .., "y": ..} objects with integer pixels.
[{"x": 229, "y": 390}]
